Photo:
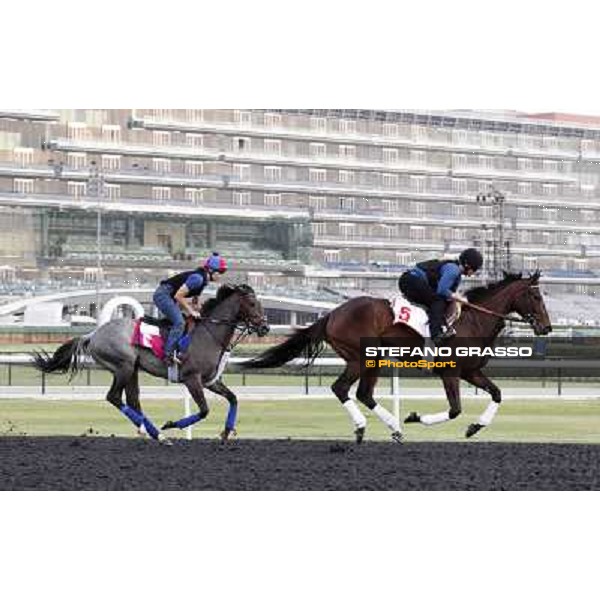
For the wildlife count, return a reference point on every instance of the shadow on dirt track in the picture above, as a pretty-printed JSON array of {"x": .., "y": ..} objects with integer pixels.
[{"x": 28, "y": 463}]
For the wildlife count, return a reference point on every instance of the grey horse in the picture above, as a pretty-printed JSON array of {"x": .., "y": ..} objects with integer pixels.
[{"x": 235, "y": 309}]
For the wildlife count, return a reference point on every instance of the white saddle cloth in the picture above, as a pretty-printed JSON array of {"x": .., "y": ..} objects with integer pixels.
[{"x": 410, "y": 315}]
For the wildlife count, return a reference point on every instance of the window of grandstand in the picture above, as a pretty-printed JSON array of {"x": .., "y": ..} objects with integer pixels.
[
  {"x": 318, "y": 124},
  {"x": 241, "y": 144},
  {"x": 418, "y": 208},
  {"x": 163, "y": 114},
  {"x": 76, "y": 188},
  {"x": 195, "y": 168},
  {"x": 194, "y": 140},
  {"x": 418, "y": 133},
  {"x": 530, "y": 263},
  {"x": 418, "y": 233},
  {"x": 550, "y": 214},
  {"x": 459, "y": 186},
  {"x": 418, "y": 157},
  {"x": 77, "y": 131},
  {"x": 273, "y": 147},
  {"x": 581, "y": 264},
  {"x": 273, "y": 173},
  {"x": 111, "y": 162},
  {"x": 242, "y": 198},
  {"x": 332, "y": 256},
  {"x": 404, "y": 258},
  {"x": 525, "y": 164},
  {"x": 23, "y": 156},
  {"x": 346, "y": 151},
  {"x": 77, "y": 160},
  {"x": 391, "y": 130},
  {"x": 161, "y": 138},
  {"x": 387, "y": 231},
  {"x": 23, "y": 186},
  {"x": 194, "y": 115},
  {"x": 272, "y": 199},
  {"x": 319, "y": 229},
  {"x": 390, "y": 206},
  {"x": 318, "y": 202},
  {"x": 161, "y": 193},
  {"x": 486, "y": 212},
  {"x": 418, "y": 183},
  {"x": 347, "y": 126},
  {"x": 241, "y": 172},
  {"x": 550, "y": 189},
  {"x": 459, "y": 210},
  {"x": 347, "y": 204},
  {"x": 459, "y": 137},
  {"x": 110, "y": 133},
  {"x": 346, "y": 177},
  {"x": 317, "y": 175},
  {"x": 347, "y": 230},
  {"x": 112, "y": 191},
  {"x": 390, "y": 155},
  {"x": 486, "y": 163},
  {"x": 161, "y": 165},
  {"x": 317, "y": 150},
  {"x": 272, "y": 120},
  {"x": 459, "y": 161},
  {"x": 524, "y": 188},
  {"x": 242, "y": 117},
  {"x": 194, "y": 194}
]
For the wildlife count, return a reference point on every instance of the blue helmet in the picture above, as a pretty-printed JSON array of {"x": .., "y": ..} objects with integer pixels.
[{"x": 215, "y": 263}]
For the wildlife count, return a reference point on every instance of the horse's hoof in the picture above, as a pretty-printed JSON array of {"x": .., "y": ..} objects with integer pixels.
[
  {"x": 412, "y": 418},
  {"x": 360, "y": 435},
  {"x": 164, "y": 440},
  {"x": 474, "y": 429},
  {"x": 169, "y": 425},
  {"x": 227, "y": 435},
  {"x": 398, "y": 437}
]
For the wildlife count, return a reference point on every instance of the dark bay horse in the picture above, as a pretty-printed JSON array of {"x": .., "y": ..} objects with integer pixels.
[
  {"x": 368, "y": 317},
  {"x": 235, "y": 309}
]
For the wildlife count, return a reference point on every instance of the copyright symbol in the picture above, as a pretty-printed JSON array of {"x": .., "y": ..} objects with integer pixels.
[{"x": 371, "y": 364}]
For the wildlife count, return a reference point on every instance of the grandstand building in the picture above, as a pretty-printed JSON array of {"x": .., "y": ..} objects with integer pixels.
[{"x": 328, "y": 201}]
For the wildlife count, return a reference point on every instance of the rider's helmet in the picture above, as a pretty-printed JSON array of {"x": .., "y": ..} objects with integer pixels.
[
  {"x": 215, "y": 263},
  {"x": 472, "y": 259}
]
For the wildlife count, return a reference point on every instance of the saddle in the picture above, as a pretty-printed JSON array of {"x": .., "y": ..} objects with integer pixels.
[
  {"x": 152, "y": 334},
  {"x": 415, "y": 316}
]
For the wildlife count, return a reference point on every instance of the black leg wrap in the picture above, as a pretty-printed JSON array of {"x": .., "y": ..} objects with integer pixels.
[{"x": 454, "y": 414}]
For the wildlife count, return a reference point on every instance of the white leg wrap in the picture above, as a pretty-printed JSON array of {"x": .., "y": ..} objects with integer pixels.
[
  {"x": 488, "y": 416},
  {"x": 438, "y": 419},
  {"x": 357, "y": 417},
  {"x": 387, "y": 418}
]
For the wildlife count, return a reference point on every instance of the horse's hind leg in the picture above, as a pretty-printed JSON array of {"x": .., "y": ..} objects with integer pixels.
[
  {"x": 222, "y": 390},
  {"x": 132, "y": 391},
  {"x": 365, "y": 393},
  {"x": 341, "y": 388}
]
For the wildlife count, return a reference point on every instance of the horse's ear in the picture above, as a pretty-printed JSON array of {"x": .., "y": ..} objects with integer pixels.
[
  {"x": 535, "y": 277},
  {"x": 505, "y": 274}
]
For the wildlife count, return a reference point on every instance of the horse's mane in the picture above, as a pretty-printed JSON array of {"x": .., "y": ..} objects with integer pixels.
[
  {"x": 481, "y": 293},
  {"x": 224, "y": 292}
]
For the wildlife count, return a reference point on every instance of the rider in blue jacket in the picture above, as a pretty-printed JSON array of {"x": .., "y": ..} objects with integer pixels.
[
  {"x": 176, "y": 293},
  {"x": 435, "y": 283}
]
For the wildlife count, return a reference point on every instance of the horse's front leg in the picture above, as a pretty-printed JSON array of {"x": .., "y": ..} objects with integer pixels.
[
  {"x": 221, "y": 389},
  {"x": 196, "y": 390},
  {"x": 479, "y": 380},
  {"x": 452, "y": 387}
]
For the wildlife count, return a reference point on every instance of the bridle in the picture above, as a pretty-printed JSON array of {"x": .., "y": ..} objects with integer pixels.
[{"x": 528, "y": 319}]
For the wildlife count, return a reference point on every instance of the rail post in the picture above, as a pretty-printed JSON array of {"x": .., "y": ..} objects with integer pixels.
[{"x": 9, "y": 374}]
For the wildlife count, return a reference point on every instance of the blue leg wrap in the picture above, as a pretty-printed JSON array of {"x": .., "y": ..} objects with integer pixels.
[
  {"x": 132, "y": 415},
  {"x": 139, "y": 419},
  {"x": 188, "y": 421},
  {"x": 231, "y": 417}
]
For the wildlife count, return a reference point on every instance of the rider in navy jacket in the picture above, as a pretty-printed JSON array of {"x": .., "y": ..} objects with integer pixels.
[
  {"x": 435, "y": 283},
  {"x": 176, "y": 293}
]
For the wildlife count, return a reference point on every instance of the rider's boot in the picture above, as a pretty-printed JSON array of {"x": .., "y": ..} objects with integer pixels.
[{"x": 173, "y": 363}]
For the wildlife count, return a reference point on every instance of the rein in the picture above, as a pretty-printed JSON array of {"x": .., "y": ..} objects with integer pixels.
[{"x": 491, "y": 313}]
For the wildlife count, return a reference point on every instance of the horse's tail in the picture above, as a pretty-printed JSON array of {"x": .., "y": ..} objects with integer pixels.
[
  {"x": 308, "y": 343},
  {"x": 67, "y": 359}
]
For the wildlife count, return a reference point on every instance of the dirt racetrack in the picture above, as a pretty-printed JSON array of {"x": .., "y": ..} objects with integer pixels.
[{"x": 93, "y": 463}]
